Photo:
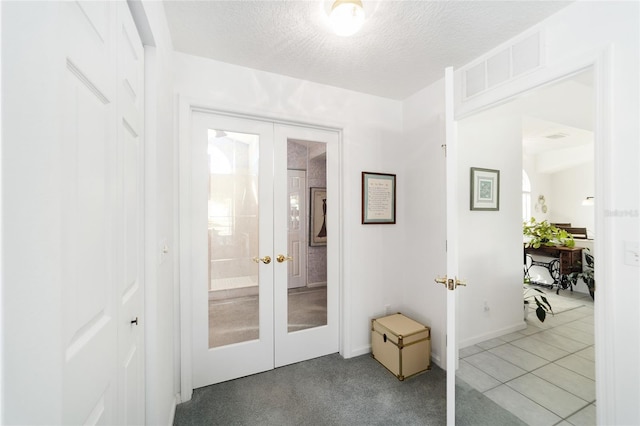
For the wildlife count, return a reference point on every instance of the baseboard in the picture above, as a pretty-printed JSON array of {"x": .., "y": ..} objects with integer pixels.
[
  {"x": 360, "y": 351},
  {"x": 318, "y": 284},
  {"x": 492, "y": 335},
  {"x": 436, "y": 360}
]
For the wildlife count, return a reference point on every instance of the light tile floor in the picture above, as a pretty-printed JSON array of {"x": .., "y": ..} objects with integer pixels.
[{"x": 544, "y": 374}]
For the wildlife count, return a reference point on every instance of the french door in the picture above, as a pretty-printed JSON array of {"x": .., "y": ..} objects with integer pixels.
[{"x": 244, "y": 319}]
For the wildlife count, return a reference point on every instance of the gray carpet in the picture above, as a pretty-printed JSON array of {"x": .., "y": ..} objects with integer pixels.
[{"x": 335, "y": 391}]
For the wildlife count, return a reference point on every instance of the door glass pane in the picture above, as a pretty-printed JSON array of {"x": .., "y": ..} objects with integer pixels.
[
  {"x": 307, "y": 235},
  {"x": 233, "y": 237}
]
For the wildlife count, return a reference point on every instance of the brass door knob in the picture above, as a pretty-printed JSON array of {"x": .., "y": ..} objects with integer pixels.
[
  {"x": 450, "y": 283},
  {"x": 282, "y": 258},
  {"x": 266, "y": 260}
]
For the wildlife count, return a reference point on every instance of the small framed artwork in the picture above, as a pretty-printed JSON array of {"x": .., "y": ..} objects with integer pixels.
[
  {"x": 378, "y": 198},
  {"x": 485, "y": 189},
  {"x": 318, "y": 217}
]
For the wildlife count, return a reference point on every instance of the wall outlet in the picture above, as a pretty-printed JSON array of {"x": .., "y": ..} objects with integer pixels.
[{"x": 387, "y": 308}]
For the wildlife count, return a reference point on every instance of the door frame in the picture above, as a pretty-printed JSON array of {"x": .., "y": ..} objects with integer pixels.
[
  {"x": 601, "y": 61},
  {"x": 186, "y": 106}
]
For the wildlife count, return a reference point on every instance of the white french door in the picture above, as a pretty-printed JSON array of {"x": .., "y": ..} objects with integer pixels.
[
  {"x": 238, "y": 215},
  {"x": 232, "y": 175},
  {"x": 298, "y": 338}
]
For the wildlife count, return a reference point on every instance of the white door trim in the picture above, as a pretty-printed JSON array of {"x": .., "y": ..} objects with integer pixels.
[
  {"x": 451, "y": 150},
  {"x": 186, "y": 106},
  {"x": 602, "y": 63}
]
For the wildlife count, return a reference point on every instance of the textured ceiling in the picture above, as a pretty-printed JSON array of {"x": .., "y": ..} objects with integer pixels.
[{"x": 403, "y": 46}]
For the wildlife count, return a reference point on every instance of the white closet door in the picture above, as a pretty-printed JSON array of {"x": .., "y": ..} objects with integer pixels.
[
  {"x": 90, "y": 227},
  {"x": 102, "y": 249},
  {"x": 73, "y": 162},
  {"x": 130, "y": 293}
]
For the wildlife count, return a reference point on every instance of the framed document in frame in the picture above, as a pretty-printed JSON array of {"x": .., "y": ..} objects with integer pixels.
[{"x": 378, "y": 198}]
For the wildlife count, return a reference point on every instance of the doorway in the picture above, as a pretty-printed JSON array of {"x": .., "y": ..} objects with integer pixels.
[
  {"x": 517, "y": 368},
  {"x": 245, "y": 205}
]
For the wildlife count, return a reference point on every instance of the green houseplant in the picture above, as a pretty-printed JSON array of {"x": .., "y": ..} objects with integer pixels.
[
  {"x": 539, "y": 234},
  {"x": 586, "y": 275},
  {"x": 543, "y": 307}
]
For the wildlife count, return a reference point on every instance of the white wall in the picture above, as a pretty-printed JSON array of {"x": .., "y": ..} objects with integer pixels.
[
  {"x": 569, "y": 188},
  {"x": 540, "y": 185},
  {"x": 579, "y": 34},
  {"x": 490, "y": 250},
  {"x": 371, "y": 133},
  {"x": 423, "y": 211},
  {"x": 31, "y": 216}
]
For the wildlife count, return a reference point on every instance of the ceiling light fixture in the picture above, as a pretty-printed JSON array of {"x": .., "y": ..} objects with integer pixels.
[
  {"x": 589, "y": 201},
  {"x": 347, "y": 17}
]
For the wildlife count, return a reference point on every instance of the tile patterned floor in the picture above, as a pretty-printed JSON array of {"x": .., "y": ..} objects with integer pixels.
[{"x": 544, "y": 374}]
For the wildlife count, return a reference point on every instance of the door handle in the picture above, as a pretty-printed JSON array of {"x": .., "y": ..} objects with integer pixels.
[
  {"x": 266, "y": 260},
  {"x": 450, "y": 283},
  {"x": 282, "y": 258},
  {"x": 442, "y": 280},
  {"x": 134, "y": 321}
]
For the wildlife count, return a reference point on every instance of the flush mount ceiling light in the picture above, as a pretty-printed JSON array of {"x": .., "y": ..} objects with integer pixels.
[
  {"x": 589, "y": 201},
  {"x": 347, "y": 16}
]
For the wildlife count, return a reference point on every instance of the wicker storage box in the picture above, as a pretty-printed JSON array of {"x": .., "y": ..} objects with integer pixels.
[{"x": 401, "y": 344}]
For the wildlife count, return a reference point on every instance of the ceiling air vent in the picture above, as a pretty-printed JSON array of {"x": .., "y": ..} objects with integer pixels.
[
  {"x": 558, "y": 135},
  {"x": 502, "y": 65}
]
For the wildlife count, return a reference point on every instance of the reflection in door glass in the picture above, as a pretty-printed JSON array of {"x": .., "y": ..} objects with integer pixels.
[
  {"x": 233, "y": 237},
  {"x": 307, "y": 235}
]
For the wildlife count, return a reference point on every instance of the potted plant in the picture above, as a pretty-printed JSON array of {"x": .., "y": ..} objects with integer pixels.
[
  {"x": 586, "y": 275},
  {"x": 539, "y": 234},
  {"x": 543, "y": 307}
]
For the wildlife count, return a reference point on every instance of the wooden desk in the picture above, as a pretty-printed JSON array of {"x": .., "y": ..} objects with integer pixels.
[{"x": 566, "y": 260}]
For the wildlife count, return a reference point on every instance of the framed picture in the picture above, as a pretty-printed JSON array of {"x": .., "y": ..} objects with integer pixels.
[
  {"x": 378, "y": 198},
  {"x": 485, "y": 189},
  {"x": 318, "y": 217}
]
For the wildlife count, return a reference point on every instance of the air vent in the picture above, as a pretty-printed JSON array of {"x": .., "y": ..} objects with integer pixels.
[
  {"x": 558, "y": 135},
  {"x": 503, "y": 65}
]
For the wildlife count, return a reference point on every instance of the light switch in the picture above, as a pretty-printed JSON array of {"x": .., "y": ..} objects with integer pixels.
[{"x": 631, "y": 253}]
